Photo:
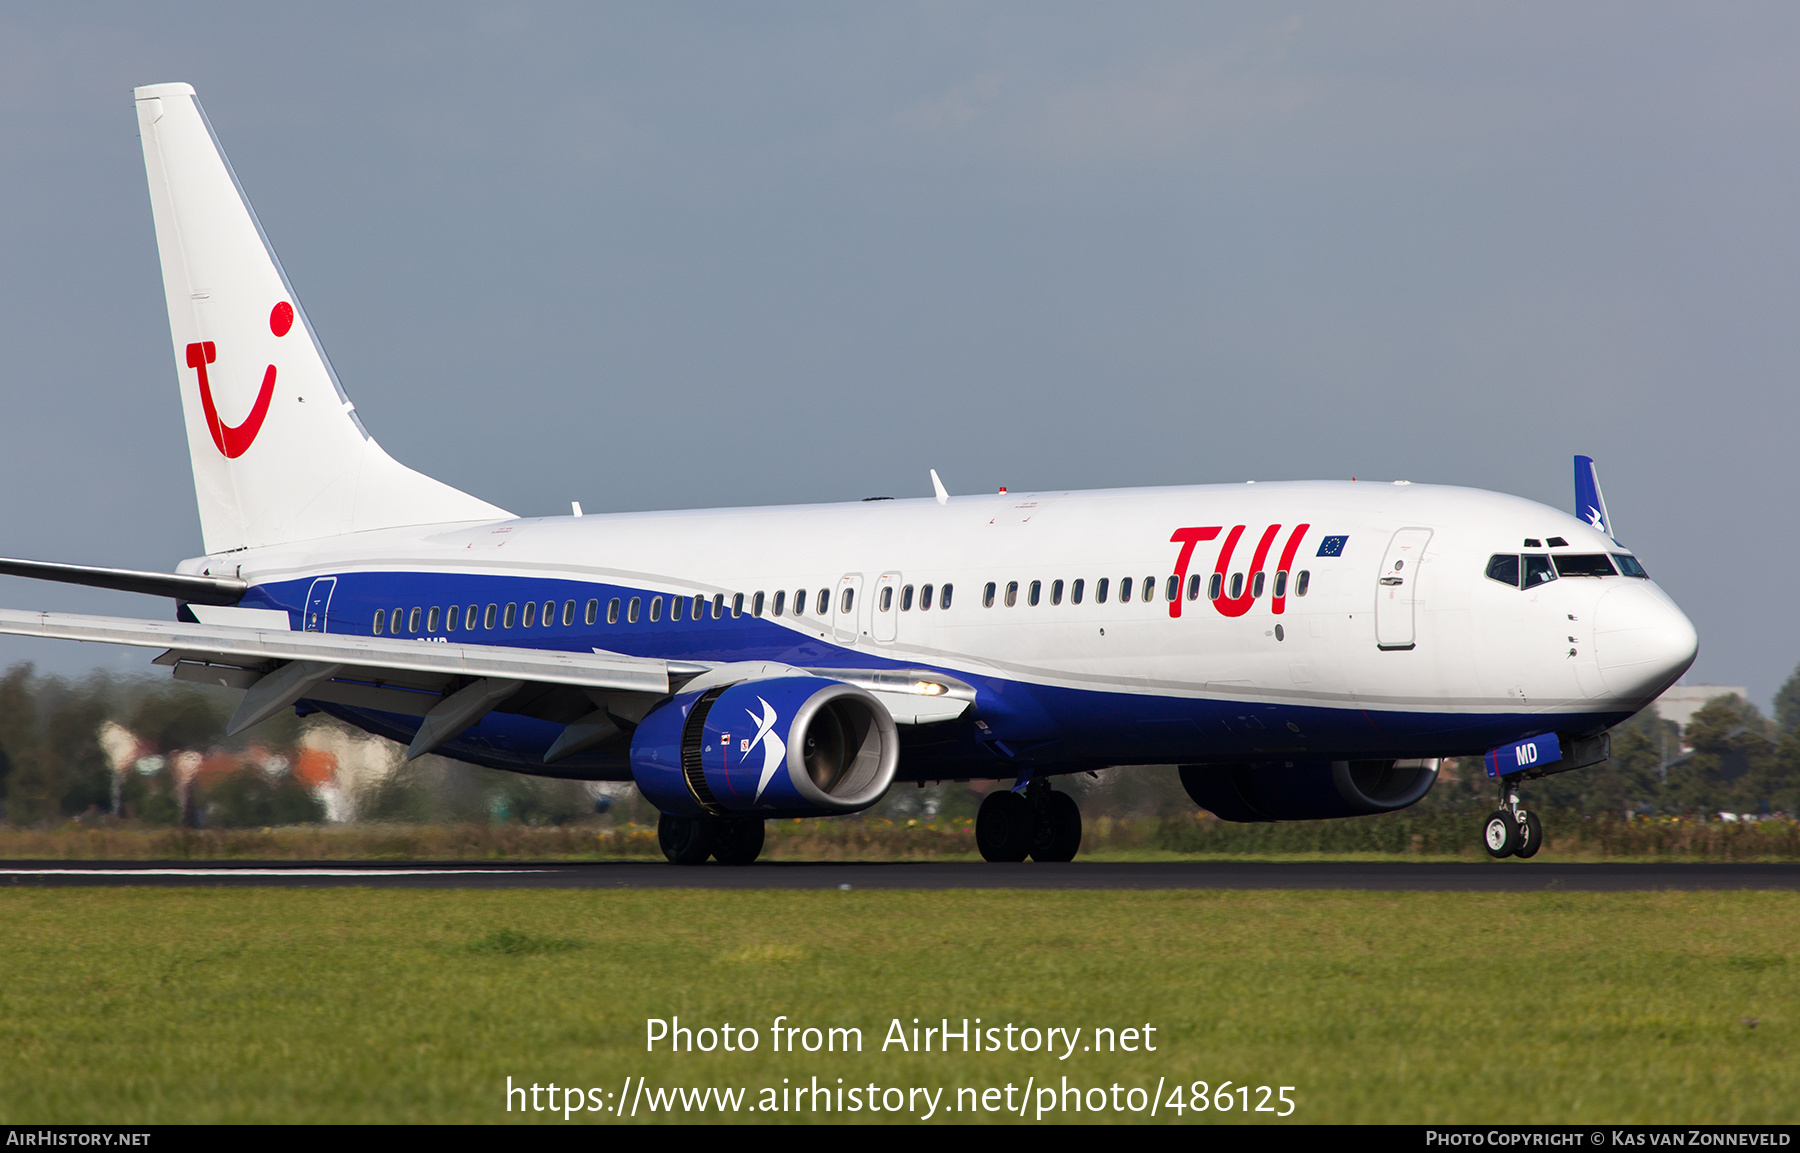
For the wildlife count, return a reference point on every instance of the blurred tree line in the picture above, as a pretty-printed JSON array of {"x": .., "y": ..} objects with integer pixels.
[{"x": 154, "y": 751}]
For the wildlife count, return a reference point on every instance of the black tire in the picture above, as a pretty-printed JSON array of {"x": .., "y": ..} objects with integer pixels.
[
  {"x": 1500, "y": 834},
  {"x": 1059, "y": 833},
  {"x": 1004, "y": 826},
  {"x": 738, "y": 842},
  {"x": 1531, "y": 837},
  {"x": 685, "y": 840}
]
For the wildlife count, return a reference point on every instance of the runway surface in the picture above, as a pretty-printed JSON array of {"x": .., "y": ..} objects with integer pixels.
[{"x": 1510, "y": 876}]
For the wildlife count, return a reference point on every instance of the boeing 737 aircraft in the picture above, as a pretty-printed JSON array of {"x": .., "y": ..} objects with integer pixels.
[{"x": 1302, "y": 650}]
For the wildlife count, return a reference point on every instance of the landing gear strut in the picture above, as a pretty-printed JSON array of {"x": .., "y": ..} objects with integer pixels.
[
  {"x": 1510, "y": 830},
  {"x": 1040, "y": 823},
  {"x": 690, "y": 840}
]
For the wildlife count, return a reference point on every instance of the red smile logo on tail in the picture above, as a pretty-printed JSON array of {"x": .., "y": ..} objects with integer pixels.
[{"x": 235, "y": 442}]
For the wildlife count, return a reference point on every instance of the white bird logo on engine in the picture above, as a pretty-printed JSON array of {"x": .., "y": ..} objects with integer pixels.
[{"x": 774, "y": 748}]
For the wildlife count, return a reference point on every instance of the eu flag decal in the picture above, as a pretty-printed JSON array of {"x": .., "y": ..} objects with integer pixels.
[{"x": 1332, "y": 546}]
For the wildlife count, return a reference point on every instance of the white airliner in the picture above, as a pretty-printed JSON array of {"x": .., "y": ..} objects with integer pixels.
[{"x": 1302, "y": 650}]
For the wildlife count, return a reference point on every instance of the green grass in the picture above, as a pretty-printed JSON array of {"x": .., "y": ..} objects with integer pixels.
[{"x": 356, "y": 1005}]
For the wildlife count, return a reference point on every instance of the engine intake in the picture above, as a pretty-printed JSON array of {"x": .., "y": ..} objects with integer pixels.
[
  {"x": 783, "y": 747},
  {"x": 1308, "y": 790}
]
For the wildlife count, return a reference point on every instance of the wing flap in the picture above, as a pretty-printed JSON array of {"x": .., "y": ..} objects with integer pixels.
[{"x": 231, "y": 645}]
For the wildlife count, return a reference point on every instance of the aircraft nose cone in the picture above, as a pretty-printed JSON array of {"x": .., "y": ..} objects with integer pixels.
[{"x": 1642, "y": 642}]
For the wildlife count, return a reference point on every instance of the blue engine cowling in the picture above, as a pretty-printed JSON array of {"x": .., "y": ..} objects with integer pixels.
[
  {"x": 783, "y": 747},
  {"x": 1307, "y": 790}
]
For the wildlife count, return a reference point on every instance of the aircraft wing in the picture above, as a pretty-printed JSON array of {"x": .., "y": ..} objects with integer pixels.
[{"x": 452, "y": 686}]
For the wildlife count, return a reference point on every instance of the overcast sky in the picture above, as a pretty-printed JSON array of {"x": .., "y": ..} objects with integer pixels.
[{"x": 661, "y": 255}]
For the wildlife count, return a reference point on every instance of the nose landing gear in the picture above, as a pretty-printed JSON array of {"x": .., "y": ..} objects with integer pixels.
[
  {"x": 1040, "y": 823},
  {"x": 1511, "y": 831}
]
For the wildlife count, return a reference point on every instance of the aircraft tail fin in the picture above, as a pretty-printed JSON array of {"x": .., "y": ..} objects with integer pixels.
[
  {"x": 1590, "y": 505},
  {"x": 279, "y": 454}
]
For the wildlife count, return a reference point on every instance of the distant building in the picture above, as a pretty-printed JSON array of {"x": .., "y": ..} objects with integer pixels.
[{"x": 1680, "y": 703}]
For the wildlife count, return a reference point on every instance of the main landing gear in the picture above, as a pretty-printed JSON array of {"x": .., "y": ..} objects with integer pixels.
[
  {"x": 1510, "y": 831},
  {"x": 691, "y": 840},
  {"x": 1040, "y": 823}
]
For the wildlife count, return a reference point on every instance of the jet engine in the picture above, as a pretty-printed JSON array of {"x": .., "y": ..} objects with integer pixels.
[
  {"x": 1308, "y": 790},
  {"x": 783, "y": 747}
]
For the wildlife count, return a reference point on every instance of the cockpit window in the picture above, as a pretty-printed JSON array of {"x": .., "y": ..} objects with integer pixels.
[
  {"x": 1504, "y": 567},
  {"x": 1629, "y": 565},
  {"x": 1593, "y": 564},
  {"x": 1537, "y": 570}
]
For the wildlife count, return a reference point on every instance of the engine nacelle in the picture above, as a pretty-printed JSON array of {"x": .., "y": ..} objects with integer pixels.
[
  {"x": 1308, "y": 790},
  {"x": 783, "y": 747}
]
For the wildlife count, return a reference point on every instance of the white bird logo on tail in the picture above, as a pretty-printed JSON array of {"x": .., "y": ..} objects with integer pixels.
[{"x": 774, "y": 748}]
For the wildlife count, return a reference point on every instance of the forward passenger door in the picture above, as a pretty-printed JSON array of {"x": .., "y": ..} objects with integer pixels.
[{"x": 1398, "y": 591}]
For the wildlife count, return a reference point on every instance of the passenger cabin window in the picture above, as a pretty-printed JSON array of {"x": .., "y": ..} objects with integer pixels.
[
  {"x": 1075, "y": 591},
  {"x": 1584, "y": 565},
  {"x": 549, "y": 613},
  {"x": 1124, "y": 590},
  {"x": 1035, "y": 593},
  {"x": 1301, "y": 581},
  {"x": 1280, "y": 584},
  {"x": 655, "y": 609},
  {"x": 1629, "y": 565},
  {"x": 676, "y": 605},
  {"x": 612, "y": 611},
  {"x": 531, "y": 614},
  {"x": 1012, "y": 593},
  {"x": 1173, "y": 590},
  {"x": 631, "y": 611},
  {"x": 1237, "y": 585},
  {"x": 987, "y": 596},
  {"x": 398, "y": 620},
  {"x": 1149, "y": 589},
  {"x": 799, "y": 602},
  {"x": 718, "y": 605},
  {"x": 412, "y": 621},
  {"x": 887, "y": 599},
  {"x": 906, "y": 599},
  {"x": 568, "y": 612},
  {"x": 845, "y": 601},
  {"x": 1100, "y": 587},
  {"x": 944, "y": 596},
  {"x": 1194, "y": 587},
  {"x": 737, "y": 606},
  {"x": 699, "y": 605},
  {"x": 1056, "y": 591},
  {"x": 1256, "y": 585},
  {"x": 1538, "y": 570},
  {"x": 1504, "y": 567},
  {"x": 380, "y": 616},
  {"x": 824, "y": 605},
  {"x": 452, "y": 617},
  {"x": 490, "y": 616},
  {"x": 431, "y": 620},
  {"x": 593, "y": 612},
  {"x": 925, "y": 598},
  {"x": 1215, "y": 587},
  {"x": 473, "y": 618},
  {"x": 756, "y": 604},
  {"x": 780, "y": 602}
]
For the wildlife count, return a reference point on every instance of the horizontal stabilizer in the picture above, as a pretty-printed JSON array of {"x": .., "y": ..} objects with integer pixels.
[{"x": 203, "y": 590}]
